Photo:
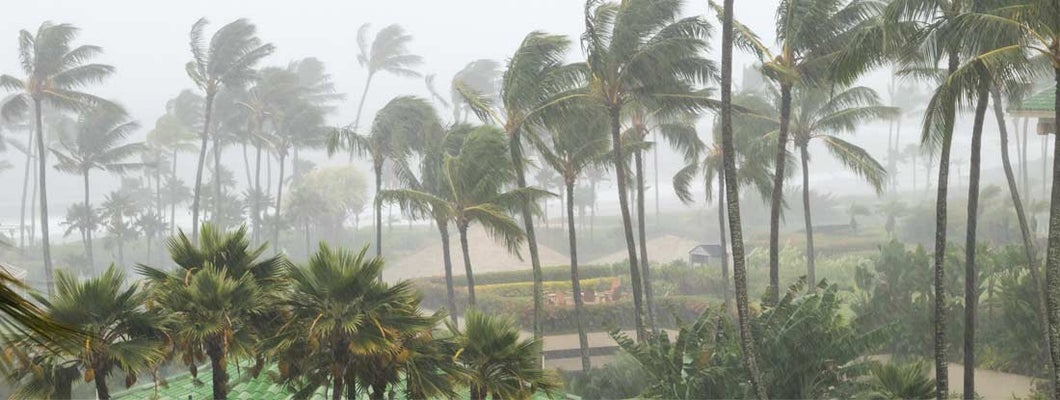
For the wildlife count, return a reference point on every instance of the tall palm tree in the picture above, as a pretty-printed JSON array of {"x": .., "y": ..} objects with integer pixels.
[
  {"x": 220, "y": 299},
  {"x": 753, "y": 148},
  {"x": 501, "y": 364},
  {"x": 227, "y": 61},
  {"x": 55, "y": 72},
  {"x": 579, "y": 142},
  {"x": 118, "y": 216},
  {"x": 807, "y": 33},
  {"x": 388, "y": 52},
  {"x": 639, "y": 52},
  {"x": 535, "y": 83},
  {"x": 174, "y": 133},
  {"x": 483, "y": 77},
  {"x": 475, "y": 179},
  {"x": 732, "y": 193},
  {"x": 123, "y": 334},
  {"x": 399, "y": 128},
  {"x": 99, "y": 143},
  {"x": 1036, "y": 26},
  {"x": 820, "y": 115}
]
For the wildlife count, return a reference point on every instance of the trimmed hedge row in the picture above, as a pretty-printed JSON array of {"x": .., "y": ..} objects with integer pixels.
[
  {"x": 554, "y": 273},
  {"x": 526, "y": 289}
]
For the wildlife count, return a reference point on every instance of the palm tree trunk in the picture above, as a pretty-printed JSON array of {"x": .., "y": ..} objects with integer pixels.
[
  {"x": 1021, "y": 216},
  {"x": 195, "y": 204},
  {"x": 378, "y": 207},
  {"x": 173, "y": 203},
  {"x": 515, "y": 148},
  {"x": 447, "y": 260},
  {"x": 25, "y": 191},
  {"x": 777, "y": 199},
  {"x": 246, "y": 163},
  {"x": 215, "y": 351},
  {"x": 258, "y": 194},
  {"x": 100, "y": 380},
  {"x": 724, "y": 244},
  {"x": 649, "y": 298},
  {"x": 627, "y": 223},
  {"x": 42, "y": 157},
  {"x": 732, "y": 195},
  {"x": 941, "y": 201},
  {"x": 811, "y": 267},
  {"x": 1023, "y": 160},
  {"x": 88, "y": 232},
  {"x": 462, "y": 227},
  {"x": 360, "y": 105},
  {"x": 655, "y": 170},
  {"x": 33, "y": 202},
  {"x": 575, "y": 281},
  {"x": 279, "y": 203},
  {"x": 971, "y": 271},
  {"x": 1052, "y": 260},
  {"x": 215, "y": 217}
]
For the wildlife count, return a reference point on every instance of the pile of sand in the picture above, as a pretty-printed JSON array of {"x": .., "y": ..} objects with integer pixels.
[
  {"x": 660, "y": 250},
  {"x": 487, "y": 255}
]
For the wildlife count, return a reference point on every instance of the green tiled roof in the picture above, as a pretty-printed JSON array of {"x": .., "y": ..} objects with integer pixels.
[
  {"x": 184, "y": 387},
  {"x": 1042, "y": 102}
]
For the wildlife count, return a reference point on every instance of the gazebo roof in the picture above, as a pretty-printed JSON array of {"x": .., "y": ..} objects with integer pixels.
[{"x": 1041, "y": 105}]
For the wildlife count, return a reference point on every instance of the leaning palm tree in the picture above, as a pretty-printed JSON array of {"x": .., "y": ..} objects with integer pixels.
[
  {"x": 388, "y": 52},
  {"x": 501, "y": 364},
  {"x": 399, "y": 128},
  {"x": 339, "y": 303},
  {"x": 124, "y": 336},
  {"x": 535, "y": 84},
  {"x": 220, "y": 299},
  {"x": 55, "y": 71},
  {"x": 481, "y": 76},
  {"x": 732, "y": 193},
  {"x": 578, "y": 142},
  {"x": 475, "y": 179},
  {"x": 638, "y": 52},
  {"x": 98, "y": 143},
  {"x": 819, "y": 115},
  {"x": 227, "y": 61}
]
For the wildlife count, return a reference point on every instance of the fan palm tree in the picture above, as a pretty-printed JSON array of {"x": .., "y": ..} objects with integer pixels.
[
  {"x": 732, "y": 193},
  {"x": 99, "y": 143},
  {"x": 535, "y": 83},
  {"x": 122, "y": 334},
  {"x": 388, "y": 52},
  {"x": 399, "y": 128},
  {"x": 227, "y": 61},
  {"x": 55, "y": 72},
  {"x": 820, "y": 115},
  {"x": 578, "y": 143},
  {"x": 220, "y": 299},
  {"x": 750, "y": 132},
  {"x": 501, "y": 364},
  {"x": 639, "y": 52},
  {"x": 348, "y": 315},
  {"x": 474, "y": 179}
]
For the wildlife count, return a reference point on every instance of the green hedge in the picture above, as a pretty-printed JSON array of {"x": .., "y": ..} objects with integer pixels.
[
  {"x": 554, "y": 273},
  {"x": 526, "y": 289}
]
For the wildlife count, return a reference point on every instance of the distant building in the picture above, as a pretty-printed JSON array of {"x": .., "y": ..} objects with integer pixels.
[
  {"x": 705, "y": 254},
  {"x": 1041, "y": 106}
]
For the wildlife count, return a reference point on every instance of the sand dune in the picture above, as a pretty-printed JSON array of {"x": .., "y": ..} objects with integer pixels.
[
  {"x": 487, "y": 255},
  {"x": 660, "y": 250}
]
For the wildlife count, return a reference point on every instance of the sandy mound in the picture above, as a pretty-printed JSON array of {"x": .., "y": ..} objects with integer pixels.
[
  {"x": 487, "y": 255},
  {"x": 660, "y": 250}
]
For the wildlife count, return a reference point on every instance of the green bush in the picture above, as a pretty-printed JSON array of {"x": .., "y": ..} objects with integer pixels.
[
  {"x": 526, "y": 289},
  {"x": 554, "y": 273}
]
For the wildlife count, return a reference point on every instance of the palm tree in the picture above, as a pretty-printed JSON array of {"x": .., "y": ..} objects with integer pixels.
[
  {"x": 98, "y": 144},
  {"x": 339, "y": 302},
  {"x": 117, "y": 215},
  {"x": 226, "y": 62},
  {"x": 399, "y": 128},
  {"x": 501, "y": 364},
  {"x": 820, "y": 115},
  {"x": 482, "y": 77},
  {"x": 732, "y": 193},
  {"x": 174, "y": 133},
  {"x": 535, "y": 83},
  {"x": 388, "y": 52},
  {"x": 55, "y": 71},
  {"x": 750, "y": 131},
  {"x": 579, "y": 142},
  {"x": 220, "y": 299},
  {"x": 82, "y": 219},
  {"x": 1035, "y": 25},
  {"x": 475, "y": 178},
  {"x": 807, "y": 33},
  {"x": 123, "y": 335},
  {"x": 639, "y": 53}
]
